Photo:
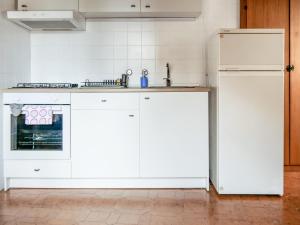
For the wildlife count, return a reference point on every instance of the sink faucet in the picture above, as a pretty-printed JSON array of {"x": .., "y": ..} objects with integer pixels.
[{"x": 168, "y": 78}]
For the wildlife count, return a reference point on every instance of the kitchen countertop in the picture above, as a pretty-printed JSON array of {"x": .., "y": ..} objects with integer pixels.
[{"x": 105, "y": 90}]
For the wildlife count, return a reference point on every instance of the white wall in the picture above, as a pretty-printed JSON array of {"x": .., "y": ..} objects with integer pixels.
[
  {"x": 14, "y": 50},
  {"x": 107, "y": 49},
  {"x": 14, "y": 59}
]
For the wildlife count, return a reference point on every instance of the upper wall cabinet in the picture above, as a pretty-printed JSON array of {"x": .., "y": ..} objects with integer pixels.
[
  {"x": 108, "y": 8},
  {"x": 47, "y": 5},
  {"x": 171, "y": 8},
  {"x": 140, "y": 8}
]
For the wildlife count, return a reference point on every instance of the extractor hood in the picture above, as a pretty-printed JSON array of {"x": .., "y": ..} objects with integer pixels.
[{"x": 48, "y": 20}]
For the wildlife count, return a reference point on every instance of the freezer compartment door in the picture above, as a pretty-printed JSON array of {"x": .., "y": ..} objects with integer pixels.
[
  {"x": 251, "y": 51},
  {"x": 251, "y": 128}
]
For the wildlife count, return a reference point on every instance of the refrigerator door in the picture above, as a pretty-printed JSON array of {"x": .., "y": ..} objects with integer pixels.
[
  {"x": 251, "y": 51},
  {"x": 251, "y": 122},
  {"x": 1, "y": 146}
]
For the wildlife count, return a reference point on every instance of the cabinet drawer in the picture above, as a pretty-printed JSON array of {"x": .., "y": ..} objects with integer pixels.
[
  {"x": 37, "y": 168},
  {"x": 105, "y": 101},
  {"x": 36, "y": 98}
]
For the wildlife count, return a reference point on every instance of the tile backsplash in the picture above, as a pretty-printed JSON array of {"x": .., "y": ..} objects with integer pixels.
[{"x": 108, "y": 49}]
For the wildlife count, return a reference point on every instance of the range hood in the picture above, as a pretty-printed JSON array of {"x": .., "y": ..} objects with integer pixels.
[{"x": 48, "y": 20}]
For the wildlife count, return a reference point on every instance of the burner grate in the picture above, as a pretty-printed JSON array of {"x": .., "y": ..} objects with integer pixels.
[{"x": 46, "y": 85}]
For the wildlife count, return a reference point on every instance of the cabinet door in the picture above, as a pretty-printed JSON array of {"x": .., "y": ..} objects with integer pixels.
[
  {"x": 171, "y": 6},
  {"x": 109, "y": 6},
  {"x": 48, "y": 4},
  {"x": 174, "y": 135},
  {"x": 105, "y": 143}
]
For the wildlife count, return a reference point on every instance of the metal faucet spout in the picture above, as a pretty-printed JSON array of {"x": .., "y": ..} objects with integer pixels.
[{"x": 168, "y": 78}]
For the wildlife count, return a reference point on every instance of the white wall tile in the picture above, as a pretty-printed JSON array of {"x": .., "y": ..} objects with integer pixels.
[
  {"x": 134, "y": 38},
  {"x": 120, "y": 52},
  {"x": 108, "y": 48},
  {"x": 120, "y": 67},
  {"x": 148, "y": 38},
  {"x": 120, "y": 38},
  {"x": 148, "y": 52},
  {"x": 134, "y": 52},
  {"x": 134, "y": 26}
]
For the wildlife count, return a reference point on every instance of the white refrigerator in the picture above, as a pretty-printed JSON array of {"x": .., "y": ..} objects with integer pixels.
[{"x": 246, "y": 73}]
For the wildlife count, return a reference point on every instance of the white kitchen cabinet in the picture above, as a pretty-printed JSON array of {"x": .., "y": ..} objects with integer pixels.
[
  {"x": 140, "y": 8},
  {"x": 37, "y": 168},
  {"x": 105, "y": 143},
  {"x": 109, "y": 7},
  {"x": 174, "y": 135},
  {"x": 105, "y": 101},
  {"x": 172, "y": 8},
  {"x": 47, "y": 5}
]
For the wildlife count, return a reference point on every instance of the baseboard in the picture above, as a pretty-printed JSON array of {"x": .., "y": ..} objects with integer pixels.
[{"x": 109, "y": 183}]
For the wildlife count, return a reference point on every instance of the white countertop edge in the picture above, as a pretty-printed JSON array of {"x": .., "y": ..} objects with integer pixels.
[{"x": 103, "y": 90}]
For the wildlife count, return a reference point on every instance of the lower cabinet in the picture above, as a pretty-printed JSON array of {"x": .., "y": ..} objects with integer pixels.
[
  {"x": 164, "y": 135},
  {"x": 105, "y": 143},
  {"x": 127, "y": 140},
  {"x": 37, "y": 168},
  {"x": 174, "y": 135}
]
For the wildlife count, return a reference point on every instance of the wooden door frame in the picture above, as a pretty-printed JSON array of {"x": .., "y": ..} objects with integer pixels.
[{"x": 243, "y": 24}]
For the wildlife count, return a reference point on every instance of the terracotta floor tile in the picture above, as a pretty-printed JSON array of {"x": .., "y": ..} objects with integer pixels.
[
  {"x": 97, "y": 216},
  {"x": 166, "y": 220},
  {"x": 149, "y": 207},
  {"x": 113, "y": 218},
  {"x": 129, "y": 219}
]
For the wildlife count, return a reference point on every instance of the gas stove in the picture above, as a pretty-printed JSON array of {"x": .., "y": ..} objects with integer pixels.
[{"x": 46, "y": 85}]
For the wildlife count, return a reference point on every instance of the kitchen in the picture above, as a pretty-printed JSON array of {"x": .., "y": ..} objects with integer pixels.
[{"x": 134, "y": 113}]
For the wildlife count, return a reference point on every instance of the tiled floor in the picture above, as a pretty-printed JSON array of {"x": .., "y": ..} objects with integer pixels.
[{"x": 148, "y": 207}]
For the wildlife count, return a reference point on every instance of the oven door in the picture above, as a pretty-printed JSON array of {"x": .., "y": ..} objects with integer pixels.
[{"x": 23, "y": 141}]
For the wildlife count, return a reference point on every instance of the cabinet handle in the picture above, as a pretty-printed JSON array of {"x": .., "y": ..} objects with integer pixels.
[
  {"x": 147, "y": 98},
  {"x": 37, "y": 170},
  {"x": 103, "y": 100},
  {"x": 131, "y": 116},
  {"x": 133, "y": 6},
  {"x": 24, "y": 6},
  {"x": 148, "y": 6}
]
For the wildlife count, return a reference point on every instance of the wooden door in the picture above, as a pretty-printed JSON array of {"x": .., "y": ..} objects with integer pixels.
[
  {"x": 273, "y": 14},
  {"x": 295, "y": 83}
]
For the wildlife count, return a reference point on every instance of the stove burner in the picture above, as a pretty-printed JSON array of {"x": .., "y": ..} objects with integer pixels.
[{"x": 46, "y": 85}]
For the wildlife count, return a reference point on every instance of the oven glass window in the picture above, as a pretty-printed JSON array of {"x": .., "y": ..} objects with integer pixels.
[{"x": 36, "y": 137}]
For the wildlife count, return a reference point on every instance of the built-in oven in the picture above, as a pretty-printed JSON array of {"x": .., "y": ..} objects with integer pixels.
[{"x": 36, "y": 126}]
